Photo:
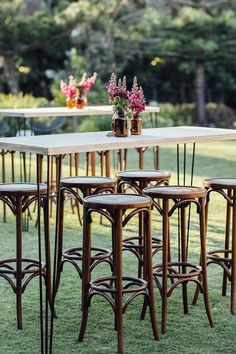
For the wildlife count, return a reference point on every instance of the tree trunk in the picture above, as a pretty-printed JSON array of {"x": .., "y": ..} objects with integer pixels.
[
  {"x": 200, "y": 93},
  {"x": 9, "y": 70}
]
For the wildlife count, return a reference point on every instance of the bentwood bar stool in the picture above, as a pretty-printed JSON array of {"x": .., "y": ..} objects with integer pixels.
[
  {"x": 137, "y": 180},
  {"x": 79, "y": 188},
  {"x": 112, "y": 288},
  {"x": 181, "y": 272},
  {"x": 225, "y": 257},
  {"x": 18, "y": 197}
]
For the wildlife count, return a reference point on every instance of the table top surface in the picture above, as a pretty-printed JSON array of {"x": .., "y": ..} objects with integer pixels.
[
  {"x": 65, "y": 112},
  {"x": 84, "y": 142}
]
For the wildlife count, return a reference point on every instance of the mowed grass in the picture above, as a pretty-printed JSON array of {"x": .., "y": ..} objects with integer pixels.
[{"x": 185, "y": 333}]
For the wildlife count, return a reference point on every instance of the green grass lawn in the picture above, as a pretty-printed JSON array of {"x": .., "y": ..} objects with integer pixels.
[{"x": 185, "y": 333}]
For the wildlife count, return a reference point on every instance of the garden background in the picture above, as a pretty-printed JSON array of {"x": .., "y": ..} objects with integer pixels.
[{"x": 183, "y": 52}]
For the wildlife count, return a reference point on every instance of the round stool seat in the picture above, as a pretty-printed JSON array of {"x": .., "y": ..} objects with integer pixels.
[
  {"x": 21, "y": 189},
  {"x": 87, "y": 181},
  {"x": 175, "y": 192},
  {"x": 220, "y": 183},
  {"x": 140, "y": 175},
  {"x": 117, "y": 201}
]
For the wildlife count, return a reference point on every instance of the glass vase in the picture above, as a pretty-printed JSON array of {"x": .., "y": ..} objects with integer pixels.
[
  {"x": 136, "y": 125},
  {"x": 120, "y": 125},
  {"x": 81, "y": 100},
  {"x": 70, "y": 102}
]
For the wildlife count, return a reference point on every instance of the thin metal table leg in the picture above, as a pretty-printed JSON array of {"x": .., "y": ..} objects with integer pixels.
[
  {"x": 58, "y": 174},
  {"x": 233, "y": 270},
  {"x": 39, "y": 158}
]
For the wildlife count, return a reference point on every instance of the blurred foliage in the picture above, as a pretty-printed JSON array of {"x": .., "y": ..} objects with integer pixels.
[
  {"x": 43, "y": 41},
  {"x": 19, "y": 101}
]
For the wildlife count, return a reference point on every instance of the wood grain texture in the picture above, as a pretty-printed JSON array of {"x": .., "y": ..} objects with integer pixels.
[{"x": 58, "y": 144}]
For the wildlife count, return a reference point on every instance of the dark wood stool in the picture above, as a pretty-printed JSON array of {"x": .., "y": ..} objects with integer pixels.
[
  {"x": 18, "y": 197},
  {"x": 87, "y": 185},
  {"x": 180, "y": 272},
  {"x": 137, "y": 180},
  {"x": 112, "y": 288},
  {"x": 225, "y": 257}
]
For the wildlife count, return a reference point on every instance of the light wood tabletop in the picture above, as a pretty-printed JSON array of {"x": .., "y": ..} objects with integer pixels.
[
  {"x": 58, "y": 144},
  {"x": 65, "y": 112}
]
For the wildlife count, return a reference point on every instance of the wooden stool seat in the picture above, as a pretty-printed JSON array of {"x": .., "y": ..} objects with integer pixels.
[
  {"x": 19, "y": 271},
  {"x": 119, "y": 209},
  {"x": 117, "y": 201},
  {"x": 21, "y": 189},
  {"x": 175, "y": 192},
  {"x": 143, "y": 175},
  {"x": 82, "y": 182},
  {"x": 220, "y": 183}
]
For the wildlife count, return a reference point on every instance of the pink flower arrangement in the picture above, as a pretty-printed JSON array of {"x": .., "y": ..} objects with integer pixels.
[
  {"x": 118, "y": 94},
  {"x": 87, "y": 82},
  {"x": 69, "y": 90},
  {"x": 124, "y": 100},
  {"x": 137, "y": 102}
]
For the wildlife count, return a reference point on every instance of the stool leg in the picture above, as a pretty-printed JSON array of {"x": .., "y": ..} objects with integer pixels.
[
  {"x": 85, "y": 272},
  {"x": 233, "y": 267},
  {"x": 203, "y": 259},
  {"x": 118, "y": 275},
  {"x": 101, "y": 162},
  {"x": 107, "y": 163},
  {"x": 13, "y": 166},
  {"x": 87, "y": 154},
  {"x": 3, "y": 181},
  {"x": 165, "y": 263},
  {"x": 60, "y": 243},
  {"x": 141, "y": 158},
  {"x": 93, "y": 163},
  {"x": 125, "y": 159},
  {"x": 47, "y": 250},
  {"x": 114, "y": 266},
  {"x": 184, "y": 257},
  {"x": 227, "y": 237},
  {"x": 195, "y": 297},
  {"x": 19, "y": 261},
  {"x": 141, "y": 243},
  {"x": 148, "y": 271}
]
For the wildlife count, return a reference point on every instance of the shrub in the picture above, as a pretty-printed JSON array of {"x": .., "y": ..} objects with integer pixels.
[{"x": 19, "y": 101}]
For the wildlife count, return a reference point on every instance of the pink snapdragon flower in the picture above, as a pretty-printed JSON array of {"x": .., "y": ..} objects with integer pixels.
[
  {"x": 87, "y": 82},
  {"x": 137, "y": 102},
  {"x": 118, "y": 94},
  {"x": 69, "y": 90},
  {"x": 115, "y": 89}
]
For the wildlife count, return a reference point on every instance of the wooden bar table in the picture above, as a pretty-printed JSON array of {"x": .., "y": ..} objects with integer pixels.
[
  {"x": 65, "y": 112},
  {"x": 52, "y": 112},
  {"x": 60, "y": 144}
]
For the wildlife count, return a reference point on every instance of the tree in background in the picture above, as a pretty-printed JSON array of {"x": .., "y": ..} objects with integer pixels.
[
  {"x": 195, "y": 36},
  {"x": 34, "y": 35},
  {"x": 181, "y": 50}
]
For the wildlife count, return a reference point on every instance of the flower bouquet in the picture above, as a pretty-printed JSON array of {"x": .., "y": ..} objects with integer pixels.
[
  {"x": 118, "y": 97},
  {"x": 75, "y": 93},
  {"x": 126, "y": 103},
  {"x": 137, "y": 104}
]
